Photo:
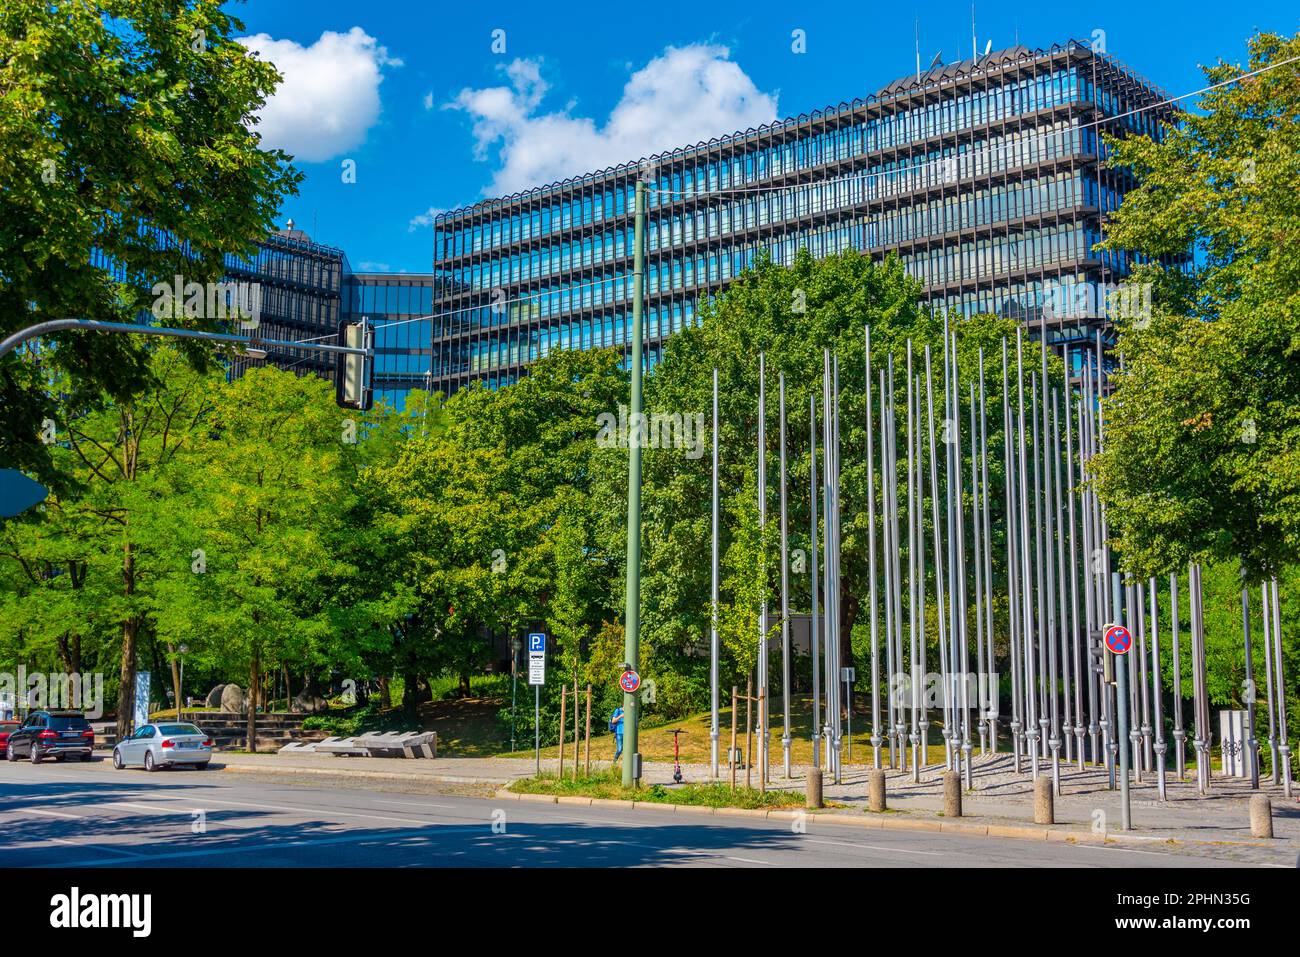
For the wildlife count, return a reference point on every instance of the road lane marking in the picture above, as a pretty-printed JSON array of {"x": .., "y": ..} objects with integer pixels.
[{"x": 874, "y": 847}]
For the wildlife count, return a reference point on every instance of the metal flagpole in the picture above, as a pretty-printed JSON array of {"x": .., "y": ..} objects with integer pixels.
[
  {"x": 1143, "y": 677},
  {"x": 1013, "y": 571},
  {"x": 1156, "y": 689},
  {"x": 1051, "y": 718},
  {"x": 977, "y": 560},
  {"x": 1268, "y": 683},
  {"x": 990, "y": 677},
  {"x": 1038, "y": 678},
  {"x": 961, "y": 653},
  {"x": 890, "y": 549},
  {"x": 1202, "y": 741},
  {"x": 871, "y": 566},
  {"x": 1180, "y": 735},
  {"x": 828, "y": 587},
  {"x": 913, "y": 656},
  {"x": 952, "y": 722},
  {"x": 937, "y": 540},
  {"x": 1252, "y": 745},
  {"x": 813, "y": 580},
  {"x": 1082, "y": 673},
  {"x": 1132, "y": 613},
  {"x": 896, "y": 563},
  {"x": 923, "y": 721},
  {"x": 764, "y": 728},
  {"x": 1284, "y": 748},
  {"x": 836, "y": 723},
  {"x": 713, "y": 612},
  {"x": 1052, "y": 506},
  {"x": 785, "y": 594},
  {"x": 1060, "y": 499},
  {"x": 1028, "y": 622}
]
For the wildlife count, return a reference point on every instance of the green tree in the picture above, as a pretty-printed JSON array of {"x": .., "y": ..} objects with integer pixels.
[
  {"x": 1202, "y": 457},
  {"x": 262, "y": 493},
  {"x": 129, "y": 155}
]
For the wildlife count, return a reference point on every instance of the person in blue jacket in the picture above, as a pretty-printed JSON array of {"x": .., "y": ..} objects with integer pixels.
[{"x": 616, "y": 725}]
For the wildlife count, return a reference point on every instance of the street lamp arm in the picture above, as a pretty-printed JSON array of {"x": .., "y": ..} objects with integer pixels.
[{"x": 59, "y": 325}]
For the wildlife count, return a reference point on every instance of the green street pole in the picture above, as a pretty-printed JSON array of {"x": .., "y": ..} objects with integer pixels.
[{"x": 632, "y": 609}]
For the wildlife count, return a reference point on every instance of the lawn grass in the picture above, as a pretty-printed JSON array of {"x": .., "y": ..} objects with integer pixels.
[{"x": 608, "y": 785}]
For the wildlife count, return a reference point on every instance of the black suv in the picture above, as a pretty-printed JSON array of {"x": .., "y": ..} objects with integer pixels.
[{"x": 57, "y": 733}]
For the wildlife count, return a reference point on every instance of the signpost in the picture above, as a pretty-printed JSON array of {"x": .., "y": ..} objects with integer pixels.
[
  {"x": 1118, "y": 640},
  {"x": 537, "y": 678},
  {"x": 630, "y": 681}
]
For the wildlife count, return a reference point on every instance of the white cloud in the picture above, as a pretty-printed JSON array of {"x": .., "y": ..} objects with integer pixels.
[
  {"x": 329, "y": 98},
  {"x": 424, "y": 219},
  {"x": 428, "y": 100},
  {"x": 685, "y": 95}
]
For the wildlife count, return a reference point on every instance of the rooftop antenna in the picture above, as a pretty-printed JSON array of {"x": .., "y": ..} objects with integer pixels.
[
  {"x": 974, "y": 55},
  {"x": 918, "y": 48}
]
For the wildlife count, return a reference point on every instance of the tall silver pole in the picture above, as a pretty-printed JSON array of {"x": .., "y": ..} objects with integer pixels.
[
  {"x": 1038, "y": 676},
  {"x": 895, "y": 559},
  {"x": 1061, "y": 500},
  {"x": 1156, "y": 689},
  {"x": 913, "y": 656},
  {"x": 1029, "y": 624},
  {"x": 1013, "y": 570},
  {"x": 1121, "y": 680},
  {"x": 961, "y": 653},
  {"x": 991, "y": 699},
  {"x": 1053, "y": 507},
  {"x": 1202, "y": 739},
  {"x": 977, "y": 553},
  {"x": 1252, "y": 745},
  {"x": 886, "y": 483},
  {"x": 828, "y": 586},
  {"x": 1284, "y": 747},
  {"x": 785, "y": 595},
  {"x": 1180, "y": 735},
  {"x": 713, "y": 605},
  {"x": 1082, "y": 674},
  {"x": 813, "y": 581},
  {"x": 1268, "y": 682},
  {"x": 764, "y": 727},
  {"x": 952, "y": 720},
  {"x": 836, "y": 723},
  {"x": 871, "y": 566},
  {"x": 937, "y": 539}
]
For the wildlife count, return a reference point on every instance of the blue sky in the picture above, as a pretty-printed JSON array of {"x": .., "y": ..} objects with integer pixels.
[{"x": 433, "y": 117}]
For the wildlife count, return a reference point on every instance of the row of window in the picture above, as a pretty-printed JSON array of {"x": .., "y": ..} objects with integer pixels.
[
  {"x": 959, "y": 113},
  {"x": 1022, "y": 148}
]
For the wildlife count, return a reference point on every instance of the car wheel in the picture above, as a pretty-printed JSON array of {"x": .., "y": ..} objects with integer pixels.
[
  {"x": 12, "y": 753},
  {"x": 117, "y": 759},
  {"x": 34, "y": 753},
  {"x": 148, "y": 761}
]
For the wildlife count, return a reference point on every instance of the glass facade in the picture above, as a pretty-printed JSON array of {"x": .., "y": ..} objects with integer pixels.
[{"x": 983, "y": 177}]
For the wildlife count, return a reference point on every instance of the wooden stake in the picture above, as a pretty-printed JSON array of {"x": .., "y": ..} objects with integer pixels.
[
  {"x": 563, "y": 695},
  {"x": 731, "y": 758},
  {"x": 586, "y": 746}
]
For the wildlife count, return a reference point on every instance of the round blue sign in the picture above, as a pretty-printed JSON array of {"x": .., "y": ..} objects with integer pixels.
[{"x": 1118, "y": 640}]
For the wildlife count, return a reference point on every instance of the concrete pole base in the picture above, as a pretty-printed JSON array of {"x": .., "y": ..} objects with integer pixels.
[
  {"x": 814, "y": 789},
  {"x": 876, "y": 790},
  {"x": 952, "y": 794},
  {"x": 1044, "y": 802},
  {"x": 1261, "y": 816}
]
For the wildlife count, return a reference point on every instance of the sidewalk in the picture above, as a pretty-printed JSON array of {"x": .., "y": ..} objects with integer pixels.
[{"x": 1217, "y": 824}]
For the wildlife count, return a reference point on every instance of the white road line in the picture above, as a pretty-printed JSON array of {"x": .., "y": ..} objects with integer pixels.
[
  {"x": 874, "y": 847},
  {"x": 750, "y": 860},
  {"x": 445, "y": 807},
  {"x": 325, "y": 811},
  {"x": 262, "y": 847},
  {"x": 32, "y": 810}
]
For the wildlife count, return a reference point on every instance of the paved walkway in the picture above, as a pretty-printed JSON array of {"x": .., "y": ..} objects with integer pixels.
[{"x": 1218, "y": 820}]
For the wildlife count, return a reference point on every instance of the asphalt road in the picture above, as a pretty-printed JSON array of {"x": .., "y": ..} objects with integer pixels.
[{"x": 79, "y": 815}]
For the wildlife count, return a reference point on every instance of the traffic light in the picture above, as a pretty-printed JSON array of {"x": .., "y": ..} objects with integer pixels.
[{"x": 352, "y": 388}]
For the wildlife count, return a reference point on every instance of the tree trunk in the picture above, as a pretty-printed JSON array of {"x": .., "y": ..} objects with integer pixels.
[
  {"x": 385, "y": 695},
  {"x": 410, "y": 696},
  {"x": 126, "y": 684},
  {"x": 848, "y": 617},
  {"x": 254, "y": 680},
  {"x": 176, "y": 680},
  {"x": 464, "y": 685}
]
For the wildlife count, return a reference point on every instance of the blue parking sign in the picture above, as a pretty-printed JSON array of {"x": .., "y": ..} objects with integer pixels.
[{"x": 536, "y": 642}]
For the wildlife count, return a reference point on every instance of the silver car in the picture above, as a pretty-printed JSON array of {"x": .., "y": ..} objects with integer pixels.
[{"x": 155, "y": 746}]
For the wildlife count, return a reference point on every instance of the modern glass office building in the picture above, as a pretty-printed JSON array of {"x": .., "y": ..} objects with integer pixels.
[
  {"x": 984, "y": 177},
  {"x": 306, "y": 288}
]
